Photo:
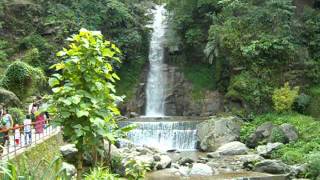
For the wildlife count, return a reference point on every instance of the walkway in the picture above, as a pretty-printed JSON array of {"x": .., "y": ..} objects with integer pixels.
[{"x": 13, "y": 150}]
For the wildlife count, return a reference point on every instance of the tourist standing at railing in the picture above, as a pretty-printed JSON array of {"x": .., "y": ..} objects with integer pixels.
[
  {"x": 8, "y": 121},
  {"x": 2, "y": 137},
  {"x": 17, "y": 134},
  {"x": 27, "y": 130},
  {"x": 33, "y": 107},
  {"x": 40, "y": 120}
]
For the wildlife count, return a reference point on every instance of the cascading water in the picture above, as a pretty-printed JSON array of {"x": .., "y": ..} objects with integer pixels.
[
  {"x": 164, "y": 135},
  {"x": 156, "y": 77}
]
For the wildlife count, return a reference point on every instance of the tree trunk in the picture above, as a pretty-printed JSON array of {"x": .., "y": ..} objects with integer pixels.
[
  {"x": 109, "y": 155},
  {"x": 79, "y": 165}
]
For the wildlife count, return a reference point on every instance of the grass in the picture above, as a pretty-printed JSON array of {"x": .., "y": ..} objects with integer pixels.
[{"x": 201, "y": 76}]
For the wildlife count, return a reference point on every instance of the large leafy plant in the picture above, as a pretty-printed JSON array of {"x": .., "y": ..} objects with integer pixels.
[{"x": 83, "y": 93}]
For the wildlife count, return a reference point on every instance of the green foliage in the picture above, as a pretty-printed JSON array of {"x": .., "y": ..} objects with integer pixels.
[
  {"x": 277, "y": 135},
  {"x": 9, "y": 171},
  {"x": 8, "y": 98},
  {"x": 292, "y": 157},
  {"x": 284, "y": 98},
  {"x": 17, "y": 114},
  {"x": 249, "y": 89},
  {"x": 22, "y": 79},
  {"x": 100, "y": 173},
  {"x": 41, "y": 160},
  {"x": 300, "y": 151},
  {"x": 32, "y": 56},
  {"x": 85, "y": 105},
  {"x": 201, "y": 77},
  {"x": 136, "y": 170},
  {"x": 313, "y": 108},
  {"x": 314, "y": 165},
  {"x": 301, "y": 103}
]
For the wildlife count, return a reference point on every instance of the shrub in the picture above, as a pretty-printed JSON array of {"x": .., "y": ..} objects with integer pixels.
[
  {"x": 314, "y": 165},
  {"x": 17, "y": 115},
  {"x": 32, "y": 56},
  {"x": 8, "y": 98},
  {"x": 284, "y": 98},
  {"x": 292, "y": 157},
  {"x": 22, "y": 79},
  {"x": 277, "y": 135},
  {"x": 100, "y": 173},
  {"x": 301, "y": 103},
  {"x": 135, "y": 169}
]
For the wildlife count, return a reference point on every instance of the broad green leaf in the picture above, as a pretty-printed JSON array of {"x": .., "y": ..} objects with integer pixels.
[{"x": 82, "y": 113}]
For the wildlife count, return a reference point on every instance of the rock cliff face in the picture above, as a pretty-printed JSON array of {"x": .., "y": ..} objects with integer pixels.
[{"x": 179, "y": 100}]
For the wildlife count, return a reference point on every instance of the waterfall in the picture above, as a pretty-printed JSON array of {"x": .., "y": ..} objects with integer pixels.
[
  {"x": 164, "y": 135},
  {"x": 155, "y": 94}
]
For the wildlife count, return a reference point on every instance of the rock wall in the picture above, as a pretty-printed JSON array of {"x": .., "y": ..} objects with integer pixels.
[{"x": 178, "y": 101}]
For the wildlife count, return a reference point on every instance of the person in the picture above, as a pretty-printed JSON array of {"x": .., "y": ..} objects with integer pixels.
[
  {"x": 16, "y": 134},
  {"x": 8, "y": 121},
  {"x": 2, "y": 137},
  {"x": 27, "y": 130},
  {"x": 40, "y": 120},
  {"x": 33, "y": 107}
]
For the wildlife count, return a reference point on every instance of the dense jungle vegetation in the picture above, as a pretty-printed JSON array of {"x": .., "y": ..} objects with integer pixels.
[{"x": 262, "y": 55}]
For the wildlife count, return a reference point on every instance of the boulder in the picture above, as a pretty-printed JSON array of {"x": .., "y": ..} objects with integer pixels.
[
  {"x": 233, "y": 148},
  {"x": 266, "y": 150},
  {"x": 146, "y": 159},
  {"x": 213, "y": 155},
  {"x": 272, "y": 166},
  {"x": 298, "y": 170},
  {"x": 69, "y": 152},
  {"x": 185, "y": 161},
  {"x": 249, "y": 160},
  {"x": 165, "y": 162},
  {"x": 218, "y": 131},
  {"x": 262, "y": 133},
  {"x": 290, "y": 132},
  {"x": 69, "y": 169},
  {"x": 199, "y": 169}
]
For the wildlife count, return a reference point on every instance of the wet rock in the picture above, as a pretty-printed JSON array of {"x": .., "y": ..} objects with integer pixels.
[
  {"x": 298, "y": 170},
  {"x": 165, "y": 162},
  {"x": 69, "y": 152},
  {"x": 249, "y": 160},
  {"x": 133, "y": 115},
  {"x": 199, "y": 169},
  {"x": 213, "y": 155},
  {"x": 156, "y": 157},
  {"x": 218, "y": 131},
  {"x": 266, "y": 150},
  {"x": 144, "y": 150},
  {"x": 69, "y": 169},
  {"x": 262, "y": 133},
  {"x": 185, "y": 161},
  {"x": 272, "y": 166},
  {"x": 233, "y": 148},
  {"x": 290, "y": 132},
  {"x": 146, "y": 159}
]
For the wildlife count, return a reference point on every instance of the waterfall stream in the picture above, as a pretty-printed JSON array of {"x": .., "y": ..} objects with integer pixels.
[
  {"x": 156, "y": 78},
  {"x": 164, "y": 135}
]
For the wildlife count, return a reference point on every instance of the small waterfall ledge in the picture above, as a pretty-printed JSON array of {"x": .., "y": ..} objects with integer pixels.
[{"x": 166, "y": 133}]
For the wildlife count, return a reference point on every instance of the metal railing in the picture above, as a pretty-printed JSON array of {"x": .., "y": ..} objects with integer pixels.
[{"x": 10, "y": 147}]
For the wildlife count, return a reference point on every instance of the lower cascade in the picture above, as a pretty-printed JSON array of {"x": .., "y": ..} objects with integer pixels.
[{"x": 164, "y": 135}]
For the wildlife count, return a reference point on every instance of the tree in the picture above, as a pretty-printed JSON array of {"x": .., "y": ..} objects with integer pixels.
[{"x": 83, "y": 94}]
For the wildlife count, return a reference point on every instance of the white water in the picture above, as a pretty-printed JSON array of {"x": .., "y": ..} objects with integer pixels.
[
  {"x": 156, "y": 78},
  {"x": 164, "y": 135}
]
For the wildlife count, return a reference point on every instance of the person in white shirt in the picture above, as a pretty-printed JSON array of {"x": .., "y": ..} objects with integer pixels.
[
  {"x": 16, "y": 134},
  {"x": 27, "y": 130}
]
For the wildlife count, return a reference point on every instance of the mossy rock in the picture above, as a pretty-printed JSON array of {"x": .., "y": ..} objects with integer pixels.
[{"x": 8, "y": 98}]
